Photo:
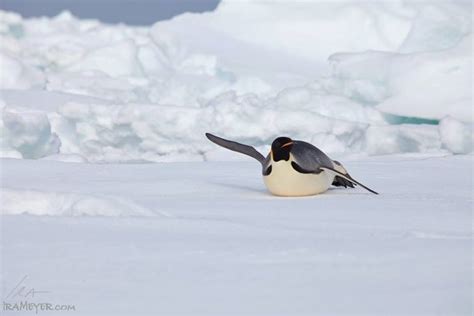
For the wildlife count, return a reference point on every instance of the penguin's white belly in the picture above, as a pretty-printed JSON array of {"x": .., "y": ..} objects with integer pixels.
[{"x": 286, "y": 181}]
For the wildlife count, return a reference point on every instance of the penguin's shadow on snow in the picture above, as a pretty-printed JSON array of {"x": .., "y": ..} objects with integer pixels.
[
  {"x": 343, "y": 192},
  {"x": 332, "y": 192},
  {"x": 240, "y": 187}
]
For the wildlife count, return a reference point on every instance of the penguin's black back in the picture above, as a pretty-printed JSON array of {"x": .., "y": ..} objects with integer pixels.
[{"x": 309, "y": 157}]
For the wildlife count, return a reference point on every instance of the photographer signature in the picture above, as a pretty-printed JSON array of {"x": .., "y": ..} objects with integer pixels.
[{"x": 23, "y": 291}]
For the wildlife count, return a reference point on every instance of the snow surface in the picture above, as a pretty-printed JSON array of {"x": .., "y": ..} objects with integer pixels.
[
  {"x": 206, "y": 238},
  {"x": 353, "y": 77}
]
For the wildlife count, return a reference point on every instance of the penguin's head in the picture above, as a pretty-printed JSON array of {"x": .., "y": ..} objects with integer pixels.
[{"x": 281, "y": 148}]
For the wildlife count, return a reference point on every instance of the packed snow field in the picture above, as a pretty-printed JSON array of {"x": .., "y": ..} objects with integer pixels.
[
  {"x": 207, "y": 239},
  {"x": 345, "y": 76},
  {"x": 113, "y": 200}
]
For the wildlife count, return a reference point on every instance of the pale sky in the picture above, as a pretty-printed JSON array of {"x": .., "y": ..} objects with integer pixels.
[{"x": 134, "y": 12}]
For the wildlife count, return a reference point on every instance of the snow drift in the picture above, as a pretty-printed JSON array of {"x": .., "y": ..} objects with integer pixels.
[
  {"x": 350, "y": 77},
  {"x": 35, "y": 202}
]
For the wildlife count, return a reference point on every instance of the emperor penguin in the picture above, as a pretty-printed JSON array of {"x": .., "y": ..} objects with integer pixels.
[{"x": 294, "y": 167}]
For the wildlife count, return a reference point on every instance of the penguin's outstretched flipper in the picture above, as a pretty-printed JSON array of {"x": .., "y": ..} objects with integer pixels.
[
  {"x": 343, "y": 179},
  {"x": 234, "y": 146}
]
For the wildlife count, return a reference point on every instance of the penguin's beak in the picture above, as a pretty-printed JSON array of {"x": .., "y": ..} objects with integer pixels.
[{"x": 287, "y": 144}]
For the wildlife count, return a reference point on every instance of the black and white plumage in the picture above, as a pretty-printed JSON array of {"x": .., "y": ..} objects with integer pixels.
[{"x": 294, "y": 168}]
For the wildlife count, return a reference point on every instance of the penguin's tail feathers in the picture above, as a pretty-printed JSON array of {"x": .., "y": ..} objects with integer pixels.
[{"x": 339, "y": 181}]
